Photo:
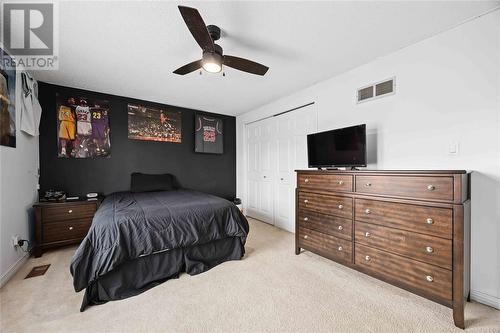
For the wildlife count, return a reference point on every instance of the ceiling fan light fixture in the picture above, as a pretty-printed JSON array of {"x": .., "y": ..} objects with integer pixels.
[
  {"x": 212, "y": 67},
  {"x": 212, "y": 62}
]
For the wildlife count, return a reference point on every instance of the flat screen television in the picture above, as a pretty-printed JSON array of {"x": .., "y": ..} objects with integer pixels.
[{"x": 343, "y": 147}]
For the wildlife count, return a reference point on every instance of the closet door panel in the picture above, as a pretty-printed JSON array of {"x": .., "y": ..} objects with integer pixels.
[
  {"x": 267, "y": 201},
  {"x": 285, "y": 170},
  {"x": 300, "y": 152},
  {"x": 284, "y": 207}
]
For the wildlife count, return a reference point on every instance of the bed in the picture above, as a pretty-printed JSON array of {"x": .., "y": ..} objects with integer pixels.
[{"x": 140, "y": 239}]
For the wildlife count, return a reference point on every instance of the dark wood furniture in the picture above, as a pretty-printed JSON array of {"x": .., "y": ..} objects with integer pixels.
[
  {"x": 62, "y": 223},
  {"x": 407, "y": 228}
]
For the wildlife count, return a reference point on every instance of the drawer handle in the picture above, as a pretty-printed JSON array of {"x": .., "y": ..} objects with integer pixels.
[
  {"x": 431, "y": 187},
  {"x": 340, "y": 227},
  {"x": 430, "y": 221},
  {"x": 340, "y": 248},
  {"x": 367, "y": 211},
  {"x": 306, "y": 201},
  {"x": 341, "y": 206},
  {"x": 281, "y": 178},
  {"x": 367, "y": 258},
  {"x": 368, "y": 184},
  {"x": 429, "y": 278},
  {"x": 70, "y": 228},
  {"x": 367, "y": 234},
  {"x": 306, "y": 180},
  {"x": 306, "y": 237},
  {"x": 306, "y": 219},
  {"x": 340, "y": 182},
  {"x": 429, "y": 249},
  {"x": 70, "y": 211},
  {"x": 265, "y": 177}
]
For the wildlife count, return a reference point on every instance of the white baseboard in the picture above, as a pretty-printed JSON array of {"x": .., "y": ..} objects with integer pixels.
[
  {"x": 13, "y": 269},
  {"x": 485, "y": 299}
]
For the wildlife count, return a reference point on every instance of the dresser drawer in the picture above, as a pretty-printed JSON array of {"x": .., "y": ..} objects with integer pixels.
[
  {"x": 65, "y": 230},
  {"x": 427, "y": 220},
  {"x": 327, "y": 204},
  {"x": 328, "y": 224},
  {"x": 429, "y": 249},
  {"x": 430, "y": 188},
  {"x": 330, "y": 246},
  {"x": 325, "y": 182},
  {"x": 66, "y": 212},
  {"x": 412, "y": 274}
]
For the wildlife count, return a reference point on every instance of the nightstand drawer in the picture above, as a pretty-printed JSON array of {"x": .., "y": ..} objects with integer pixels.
[
  {"x": 66, "y": 230},
  {"x": 67, "y": 212}
]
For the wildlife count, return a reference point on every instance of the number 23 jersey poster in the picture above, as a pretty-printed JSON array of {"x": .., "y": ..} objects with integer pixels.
[{"x": 209, "y": 134}]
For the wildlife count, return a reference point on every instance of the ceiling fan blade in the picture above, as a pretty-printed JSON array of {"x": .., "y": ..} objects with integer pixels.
[
  {"x": 191, "y": 67},
  {"x": 245, "y": 65},
  {"x": 197, "y": 27}
]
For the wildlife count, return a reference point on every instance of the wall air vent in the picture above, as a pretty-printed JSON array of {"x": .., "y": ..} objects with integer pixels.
[
  {"x": 365, "y": 93},
  {"x": 376, "y": 90}
]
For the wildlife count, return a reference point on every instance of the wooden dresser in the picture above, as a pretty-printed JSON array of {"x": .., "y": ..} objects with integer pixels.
[
  {"x": 407, "y": 228},
  {"x": 62, "y": 223}
]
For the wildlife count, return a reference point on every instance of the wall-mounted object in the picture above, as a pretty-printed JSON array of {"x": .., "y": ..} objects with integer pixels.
[
  {"x": 154, "y": 124},
  {"x": 209, "y": 134},
  {"x": 82, "y": 126},
  {"x": 376, "y": 90},
  {"x": 7, "y": 101}
]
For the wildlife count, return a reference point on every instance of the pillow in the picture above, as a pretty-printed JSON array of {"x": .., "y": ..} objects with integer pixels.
[{"x": 141, "y": 182}]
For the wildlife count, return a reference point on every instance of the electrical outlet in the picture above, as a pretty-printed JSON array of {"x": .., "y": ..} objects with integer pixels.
[{"x": 15, "y": 240}]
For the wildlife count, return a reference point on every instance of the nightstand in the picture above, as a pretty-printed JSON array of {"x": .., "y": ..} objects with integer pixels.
[{"x": 62, "y": 223}]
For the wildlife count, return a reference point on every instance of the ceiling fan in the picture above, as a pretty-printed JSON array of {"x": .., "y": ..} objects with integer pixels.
[{"x": 213, "y": 58}]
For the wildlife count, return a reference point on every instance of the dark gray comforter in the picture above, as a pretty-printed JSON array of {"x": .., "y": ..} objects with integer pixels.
[{"x": 128, "y": 226}]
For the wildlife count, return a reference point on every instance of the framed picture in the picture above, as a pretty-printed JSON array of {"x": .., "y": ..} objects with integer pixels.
[
  {"x": 154, "y": 124},
  {"x": 209, "y": 134},
  {"x": 7, "y": 100},
  {"x": 82, "y": 127}
]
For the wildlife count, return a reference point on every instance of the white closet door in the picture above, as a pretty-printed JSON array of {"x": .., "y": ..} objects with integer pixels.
[
  {"x": 253, "y": 172},
  {"x": 260, "y": 176},
  {"x": 266, "y": 182},
  {"x": 284, "y": 217},
  {"x": 275, "y": 148},
  {"x": 284, "y": 184}
]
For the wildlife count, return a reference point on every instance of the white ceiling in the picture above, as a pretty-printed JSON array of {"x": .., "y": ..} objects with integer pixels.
[{"x": 131, "y": 48}]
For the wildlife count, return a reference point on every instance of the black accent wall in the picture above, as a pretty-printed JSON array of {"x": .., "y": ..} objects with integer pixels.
[{"x": 215, "y": 174}]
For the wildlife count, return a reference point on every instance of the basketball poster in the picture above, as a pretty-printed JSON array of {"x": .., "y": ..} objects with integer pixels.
[
  {"x": 82, "y": 127},
  {"x": 7, "y": 101},
  {"x": 209, "y": 134},
  {"x": 154, "y": 124}
]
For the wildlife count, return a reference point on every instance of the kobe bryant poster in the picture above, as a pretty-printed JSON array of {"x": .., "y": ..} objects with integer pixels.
[{"x": 209, "y": 134}]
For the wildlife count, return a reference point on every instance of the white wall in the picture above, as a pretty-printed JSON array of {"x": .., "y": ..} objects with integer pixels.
[
  {"x": 18, "y": 182},
  {"x": 448, "y": 90}
]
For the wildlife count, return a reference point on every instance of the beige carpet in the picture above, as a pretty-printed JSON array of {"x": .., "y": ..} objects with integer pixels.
[{"x": 271, "y": 290}]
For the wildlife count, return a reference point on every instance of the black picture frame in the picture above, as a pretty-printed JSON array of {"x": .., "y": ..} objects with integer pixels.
[{"x": 208, "y": 134}]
